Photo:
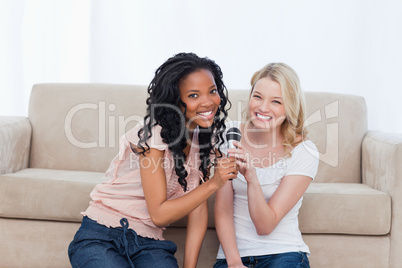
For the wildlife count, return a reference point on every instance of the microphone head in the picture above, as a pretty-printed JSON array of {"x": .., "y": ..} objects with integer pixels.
[{"x": 233, "y": 134}]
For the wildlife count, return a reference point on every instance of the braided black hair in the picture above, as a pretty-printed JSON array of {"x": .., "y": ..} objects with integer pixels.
[{"x": 163, "y": 109}]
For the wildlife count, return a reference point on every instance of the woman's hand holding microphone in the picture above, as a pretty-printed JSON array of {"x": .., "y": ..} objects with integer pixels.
[{"x": 243, "y": 161}]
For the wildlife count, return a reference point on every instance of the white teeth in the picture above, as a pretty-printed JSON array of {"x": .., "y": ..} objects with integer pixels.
[
  {"x": 263, "y": 117},
  {"x": 206, "y": 113}
]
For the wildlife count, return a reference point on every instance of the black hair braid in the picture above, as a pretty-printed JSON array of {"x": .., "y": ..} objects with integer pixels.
[{"x": 163, "y": 109}]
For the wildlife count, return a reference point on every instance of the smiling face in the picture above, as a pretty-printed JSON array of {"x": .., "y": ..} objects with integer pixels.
[
  {"x": 199, "y": 92},
  {"x": 266, "y": 109}
]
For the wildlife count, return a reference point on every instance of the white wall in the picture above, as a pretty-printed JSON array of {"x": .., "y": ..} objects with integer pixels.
[{"x": 337, "y": 46}]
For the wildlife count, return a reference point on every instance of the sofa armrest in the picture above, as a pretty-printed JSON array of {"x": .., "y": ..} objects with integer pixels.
[
  {"x": 15, "y": 143},
  {"x": 382, "y": 170},
  {"x": 381, "y": 161}
]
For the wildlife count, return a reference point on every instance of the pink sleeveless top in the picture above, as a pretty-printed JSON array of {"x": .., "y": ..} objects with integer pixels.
[{"x": 121, "y": 194}]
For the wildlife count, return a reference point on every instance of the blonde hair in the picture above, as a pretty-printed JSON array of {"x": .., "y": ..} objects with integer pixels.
[{"x": 293, "y": 100}]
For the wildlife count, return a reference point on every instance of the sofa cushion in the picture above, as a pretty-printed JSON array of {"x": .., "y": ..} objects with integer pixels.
[
  {"x": 46, "y": 194},
  {"x": 345, "y": 208},
  {"x": 332, "y": 208},
  {"x": 337, "y": 124},
  {"x": 337, "y": 208},
  {"x": 32, "y": 243}
]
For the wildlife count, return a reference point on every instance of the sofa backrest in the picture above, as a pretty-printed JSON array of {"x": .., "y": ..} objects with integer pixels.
[{"x": 77, "y": 126}]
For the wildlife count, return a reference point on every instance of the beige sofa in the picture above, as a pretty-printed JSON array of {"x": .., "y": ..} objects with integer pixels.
[{"x": 351, "y": 215}]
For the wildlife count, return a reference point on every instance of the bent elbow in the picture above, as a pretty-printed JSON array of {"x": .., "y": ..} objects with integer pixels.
[
  {"x": 264, "y": 231},
  {"x": 158, "y": 221}
]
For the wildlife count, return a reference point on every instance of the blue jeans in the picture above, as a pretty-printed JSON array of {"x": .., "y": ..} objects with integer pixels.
[
  {"x": 283, "y": 260},
  {"x": 95, "y": 245}
]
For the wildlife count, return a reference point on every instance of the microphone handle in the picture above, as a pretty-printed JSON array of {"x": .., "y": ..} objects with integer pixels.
[{"x": 231, "y": 146}]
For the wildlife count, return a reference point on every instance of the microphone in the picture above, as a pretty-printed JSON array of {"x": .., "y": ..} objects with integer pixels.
[{"x": 233, "y": 134}]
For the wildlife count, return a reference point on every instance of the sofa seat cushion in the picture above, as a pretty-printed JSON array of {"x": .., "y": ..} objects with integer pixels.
[
  {"x": 345, "y": 208},
  {"x": 46, "y": 194}
]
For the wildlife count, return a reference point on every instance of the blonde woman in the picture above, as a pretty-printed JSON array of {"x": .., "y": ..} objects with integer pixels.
[{"x": 256, "y": 213}]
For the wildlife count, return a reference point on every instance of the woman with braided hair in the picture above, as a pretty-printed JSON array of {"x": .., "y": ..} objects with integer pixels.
[{"x": 161, "y": 173}]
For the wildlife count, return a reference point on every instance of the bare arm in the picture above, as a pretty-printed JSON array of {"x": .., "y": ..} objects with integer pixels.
[
  {"x": 225, "y": 226},
  {"x": 266, "y": 216},
  {"x": 164, "y": 212},
  {"x": 197, "y": 222}
]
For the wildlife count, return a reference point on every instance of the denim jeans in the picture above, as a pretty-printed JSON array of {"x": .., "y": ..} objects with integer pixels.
[
  {"x": 283, "y": 260},
  {"x": 95, "y": 245}
]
